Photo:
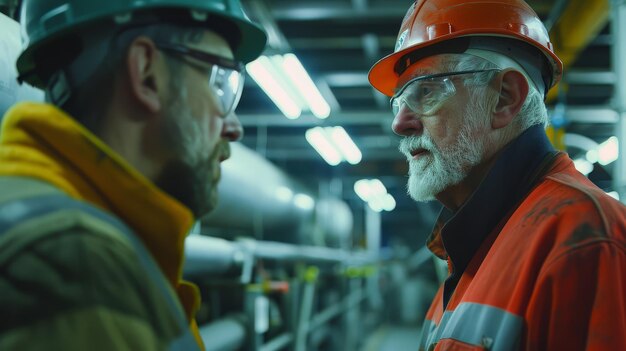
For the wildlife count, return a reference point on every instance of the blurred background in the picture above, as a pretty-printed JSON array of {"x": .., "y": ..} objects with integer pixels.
[{"x": 315, "y": 244}]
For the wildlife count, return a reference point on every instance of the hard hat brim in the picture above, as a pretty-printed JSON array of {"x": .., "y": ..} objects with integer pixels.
[{"x": 383, "y": 77}]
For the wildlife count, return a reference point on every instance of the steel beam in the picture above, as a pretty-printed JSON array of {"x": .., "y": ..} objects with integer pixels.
[
  {"x": 619, "y": 55},
  {"x": 579, "y": 24},
  {"x": 577, "y": 114}
]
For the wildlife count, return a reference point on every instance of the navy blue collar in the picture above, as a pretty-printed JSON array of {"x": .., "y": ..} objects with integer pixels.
[{"x": 512, "y": 176}]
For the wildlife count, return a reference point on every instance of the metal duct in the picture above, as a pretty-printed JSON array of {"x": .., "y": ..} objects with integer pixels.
[
  {"x": 10, "y": 47},
  {"x": 262, "y": 201}
]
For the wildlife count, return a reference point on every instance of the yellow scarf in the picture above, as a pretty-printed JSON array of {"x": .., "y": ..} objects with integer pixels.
[{"x": 41, "y": 141}]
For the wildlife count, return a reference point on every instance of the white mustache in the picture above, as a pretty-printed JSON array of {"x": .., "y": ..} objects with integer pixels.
[{"x": 410, "y": 143}]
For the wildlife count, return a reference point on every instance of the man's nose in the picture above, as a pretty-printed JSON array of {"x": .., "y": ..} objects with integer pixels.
[
  {"x": 406, "y": 122},
  {"x": 232, "y": 130}
]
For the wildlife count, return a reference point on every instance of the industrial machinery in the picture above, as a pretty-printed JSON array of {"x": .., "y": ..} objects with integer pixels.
[{"x": 266, "y": 284}]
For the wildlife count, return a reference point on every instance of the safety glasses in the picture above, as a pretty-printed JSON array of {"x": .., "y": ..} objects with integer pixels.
[
  {"x": 425, "y": 95},
  {"x": 226, "y": 77}
]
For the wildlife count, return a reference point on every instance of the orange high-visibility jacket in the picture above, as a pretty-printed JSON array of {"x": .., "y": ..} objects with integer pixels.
[{"x": 548, "y": 271}]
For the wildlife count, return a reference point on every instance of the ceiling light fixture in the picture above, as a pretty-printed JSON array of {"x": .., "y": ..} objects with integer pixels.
[
  {"x": 334, "y": 145},
  {"x": 373, "y": 192},
  {"x": 319, "y": 140},
  {"x": 264, "y": 73},
  {"x": 287, "y": 83},
  {"x": 307, "y": 89}
]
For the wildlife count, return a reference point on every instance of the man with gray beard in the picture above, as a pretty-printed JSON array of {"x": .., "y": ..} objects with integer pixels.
[
  {"x": 536, "y": 252},
  {"x": 100, "y": 186}
]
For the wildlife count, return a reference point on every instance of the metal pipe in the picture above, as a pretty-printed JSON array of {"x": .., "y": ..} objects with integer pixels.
[
  {"x": 278, "y": 342},
  {"x": 351, "y": 301},
  {"x": 306, "y": 308},
  {"x": 207, "y": 255},
  {"x": 227, "y": 334},
  {"x": 288, "y": 252},
  {"x": 555, "y": 13}
]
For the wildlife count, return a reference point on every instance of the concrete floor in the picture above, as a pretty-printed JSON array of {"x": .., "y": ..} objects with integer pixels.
[{"x": 393, "y": 338}]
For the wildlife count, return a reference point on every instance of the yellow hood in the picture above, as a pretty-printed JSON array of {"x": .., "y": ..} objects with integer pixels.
[{"x": 41, "y": 141}]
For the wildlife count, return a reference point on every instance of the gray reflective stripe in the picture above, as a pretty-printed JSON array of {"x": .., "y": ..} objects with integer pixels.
[
  {"x": 480, "y": 325},
  {"x": 15, "y": 212},
  {"x": 184, "y": 342},
  {"x": 435, "y": 335},
  {"x": 427, "y": 329}
]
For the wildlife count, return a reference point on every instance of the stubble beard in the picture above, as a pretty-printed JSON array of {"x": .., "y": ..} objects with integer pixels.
[{"x": 190, "y": 177}]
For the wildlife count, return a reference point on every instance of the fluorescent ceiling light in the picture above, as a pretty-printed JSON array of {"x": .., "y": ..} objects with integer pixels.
[
  {"x": 301, "y": 79},
  {"x": 318, "y": 139},
  {"x": 592, "y": 155},
  {"x": 304, "y": 201},
  {"x": 373, "y": 192},
  {"x": 362, "y": 189},
  {"x": 346, "y": 146},
  {"x": 605, "y": 153},
  {"x": 264, "y": 74},
  {"x": 334, "y": 144},
  {"x": 368, "y": 189},
  {"x": 286, "y": 81},
  {"x": 378, "y": 188},
  {"x": 389, "y": 203},
  {"x": 376, "y": 206},
  {"x": 614, "y": 194},
  {"x": 583, "y": 166},
  {"x": 608, "y": 151}
]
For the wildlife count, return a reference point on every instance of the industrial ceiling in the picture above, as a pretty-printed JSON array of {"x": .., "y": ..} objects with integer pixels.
[{"x": 337, "y": 41}]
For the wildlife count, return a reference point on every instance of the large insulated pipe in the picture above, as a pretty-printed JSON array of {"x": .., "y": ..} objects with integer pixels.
[
  {"x": 251, "y": 188},
  {"x": 260, "y": 200},
  {"x": 10, "y": 48},
  {"x": 207, "y": 256}
]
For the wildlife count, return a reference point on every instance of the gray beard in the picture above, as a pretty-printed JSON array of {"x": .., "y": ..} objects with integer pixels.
[{"x": 441, "y": 168}]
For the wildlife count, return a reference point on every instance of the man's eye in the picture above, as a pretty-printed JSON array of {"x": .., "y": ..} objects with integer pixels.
[{"x": 425, "y": 91}]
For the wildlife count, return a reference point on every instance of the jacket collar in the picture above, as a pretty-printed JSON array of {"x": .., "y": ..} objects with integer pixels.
[
  {"x": 458, "y": 235},
  {"x": 41, "y": 141}
]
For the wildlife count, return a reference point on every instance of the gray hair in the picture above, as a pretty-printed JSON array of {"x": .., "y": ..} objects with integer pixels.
[{"x": 533, "y": 110}]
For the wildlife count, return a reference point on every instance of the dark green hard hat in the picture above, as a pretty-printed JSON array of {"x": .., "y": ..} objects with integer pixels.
[{"x": 44, "y": 21}]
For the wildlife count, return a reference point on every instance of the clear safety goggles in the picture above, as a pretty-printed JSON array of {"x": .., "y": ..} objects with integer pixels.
[
  {"x": 424, "y": 95},
  {"x": 226, "y": 77}
]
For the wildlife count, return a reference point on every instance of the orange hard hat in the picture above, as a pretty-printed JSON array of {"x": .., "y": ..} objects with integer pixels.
[{"x": 432, "y": 27}]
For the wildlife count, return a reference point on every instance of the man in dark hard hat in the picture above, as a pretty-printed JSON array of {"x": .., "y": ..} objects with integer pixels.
[
  {"x": 99, "y": 187},
  {"x": 536, "y": 252}
]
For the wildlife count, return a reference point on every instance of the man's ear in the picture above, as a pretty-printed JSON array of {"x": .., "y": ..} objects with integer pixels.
[
  {"x": 512, "y": 92},
  {"x": 144, "y": 76}
]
